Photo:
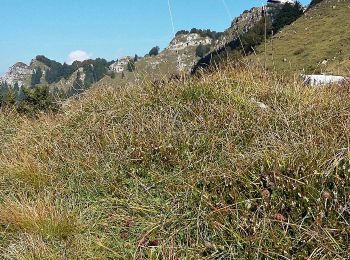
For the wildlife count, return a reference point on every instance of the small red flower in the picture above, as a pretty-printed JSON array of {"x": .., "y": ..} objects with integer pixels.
[{"x": 279, "y": 217}]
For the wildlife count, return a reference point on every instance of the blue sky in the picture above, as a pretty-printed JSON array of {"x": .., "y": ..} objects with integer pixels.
[{"x": 103, "y": 28}]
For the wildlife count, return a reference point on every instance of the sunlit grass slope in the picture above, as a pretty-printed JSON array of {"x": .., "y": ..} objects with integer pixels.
[
  {"x": 194, "y": 170},
  {"x": 318, "y": 42}
]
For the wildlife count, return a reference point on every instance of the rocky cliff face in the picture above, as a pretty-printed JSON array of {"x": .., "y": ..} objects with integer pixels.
[
  {"x": 177, "y": 58},
  {"x": 244, "y": 22},
  {"x": 21, "y": 73},
  {"x": 18, "y": 73},
  {"x": 183, "y": 41}
]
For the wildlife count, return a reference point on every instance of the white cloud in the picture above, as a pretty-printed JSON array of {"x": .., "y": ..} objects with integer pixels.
[{"x": 78, "y": 55}]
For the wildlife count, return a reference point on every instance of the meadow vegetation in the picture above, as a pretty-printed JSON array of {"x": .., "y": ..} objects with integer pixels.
[
  {"x": 314, "y": 44},
  {"x": 186, "y": 170},
  {"x": 29, "y": 101}
]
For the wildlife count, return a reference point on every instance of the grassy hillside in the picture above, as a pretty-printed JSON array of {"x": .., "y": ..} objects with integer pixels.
[
  {"x": 186, "y": 171},
  {"x": 167, "y": 63},
  {"x": 322, "y": 34}
]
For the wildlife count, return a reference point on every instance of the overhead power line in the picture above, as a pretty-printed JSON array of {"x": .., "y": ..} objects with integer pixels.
[
  {"x": 179, "y": 61},
  {"x": 231, "y": 19},
  {"x": 171, "y": 17},
  {"x": 227, "y": 10}
]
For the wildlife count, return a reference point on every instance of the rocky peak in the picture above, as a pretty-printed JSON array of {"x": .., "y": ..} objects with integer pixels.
[
  {"x": 17, "y": 73},
  {"x": 34, "y": 64},
  {"x": 245, "y": 21},
  {"x": 182, "y": 41}
]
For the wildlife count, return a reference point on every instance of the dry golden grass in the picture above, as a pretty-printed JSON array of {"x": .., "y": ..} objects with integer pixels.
[
  {"x": 44, "y": 217},
  {"x": 30, "y": 248},
  {"x": 193, "y": 170}
]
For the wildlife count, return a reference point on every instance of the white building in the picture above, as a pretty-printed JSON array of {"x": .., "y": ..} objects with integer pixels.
[
  {"x": 119, "y": 66},
  {"x": 280, "y": 2}
]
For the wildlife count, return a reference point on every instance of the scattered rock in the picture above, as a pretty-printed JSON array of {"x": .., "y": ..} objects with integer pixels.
[{"x": 259, "y": 104}]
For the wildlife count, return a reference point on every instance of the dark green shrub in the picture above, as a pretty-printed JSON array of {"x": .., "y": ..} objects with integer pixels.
[
  {"x": 286, "y": 15},
  {"x": 154, "y": 51},
  {"x": 35, "y": 100},
  {"x": 202, "y": 50}
]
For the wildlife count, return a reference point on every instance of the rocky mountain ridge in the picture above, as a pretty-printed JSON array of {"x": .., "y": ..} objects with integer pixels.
[{"x": 179, "y": 57}]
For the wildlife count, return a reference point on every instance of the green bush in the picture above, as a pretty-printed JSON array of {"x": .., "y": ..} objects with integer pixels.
[
  {"x": 314, "y": 2},
  {"x": 202, "y": 50},
  {"x": 94, "y": 71},
  {"x": 35, "y": 100},
  {"x": 286, "y": 15},
  {"x": 154, "y": 51},
  {"x": 255, "y": 36},
  {"x": 206, "y": 33},
  {"x": 131, "y": 66},
  {"x": 8, "y": 95}
]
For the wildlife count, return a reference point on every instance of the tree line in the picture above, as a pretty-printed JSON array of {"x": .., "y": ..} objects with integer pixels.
[
  {"x": 27, "y": 100},
  {"x": 93, "y": 69},
  {"x": 38, "y": 96},
  {"x": 203, "y": 33}
]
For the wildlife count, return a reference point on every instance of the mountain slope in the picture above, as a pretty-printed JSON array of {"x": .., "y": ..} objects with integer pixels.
[
  {"x": 236, "y": 165},
  {"x": 318, "y": 42},
  {"x": 21, "y": 74},
  {"x": 177, "y": 59}
]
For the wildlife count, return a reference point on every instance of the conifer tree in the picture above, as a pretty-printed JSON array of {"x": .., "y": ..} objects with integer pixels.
[
  {"x": 131, "y": 66},
  {"x": 154, "y": 51}
]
